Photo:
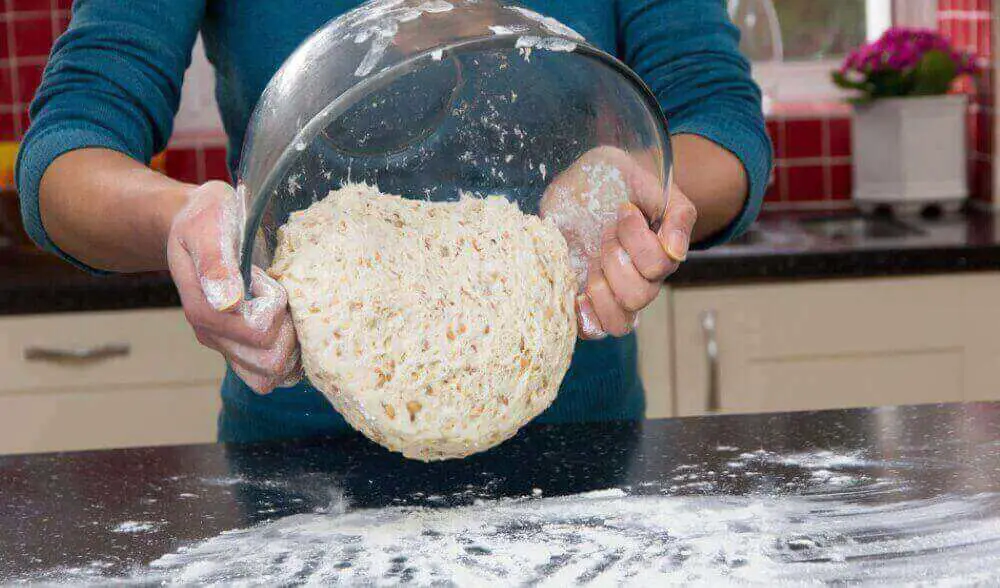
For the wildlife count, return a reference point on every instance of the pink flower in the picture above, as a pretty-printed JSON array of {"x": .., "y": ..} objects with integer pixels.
[{"x": 902, "y": 49}]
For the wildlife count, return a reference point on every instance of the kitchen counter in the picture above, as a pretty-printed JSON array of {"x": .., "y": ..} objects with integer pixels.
[
  {"x": 883, "y": 495},
  {"x": 782, "y": 246},
  {"x": 824, "y": 245},
  {"x": 35, "y": 283}
]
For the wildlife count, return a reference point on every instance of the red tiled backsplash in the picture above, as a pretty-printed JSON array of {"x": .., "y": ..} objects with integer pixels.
[
  {"x": 197, "y": 159},
  {"x": 812, "y": 142},
  {"x": 968, "y": 23},
  {"x": 28, "y": 29},
  {"x": 812, "y": 146}
]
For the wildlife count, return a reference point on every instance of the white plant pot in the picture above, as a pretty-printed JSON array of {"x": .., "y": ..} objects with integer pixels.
[{"x": 910, "y": 152}]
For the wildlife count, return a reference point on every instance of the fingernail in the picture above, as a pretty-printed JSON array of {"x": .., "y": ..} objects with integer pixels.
[
  {"x": 635, "y": 321},
  {"x": 677, "y": 245},
  {"x": 590, "y": 327},
  {"x": 222, "y": 294}
]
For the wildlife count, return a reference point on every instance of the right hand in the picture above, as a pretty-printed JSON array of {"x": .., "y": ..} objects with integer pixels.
[
  {"x": 255, "y": 336},
  {"x": 626, "y": 234}
]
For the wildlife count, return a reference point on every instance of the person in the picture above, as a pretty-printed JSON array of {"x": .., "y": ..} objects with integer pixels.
[{"x": 106, "y": 105}]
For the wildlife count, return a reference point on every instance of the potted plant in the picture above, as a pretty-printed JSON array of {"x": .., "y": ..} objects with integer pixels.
[{"x": 909, "y": 141}]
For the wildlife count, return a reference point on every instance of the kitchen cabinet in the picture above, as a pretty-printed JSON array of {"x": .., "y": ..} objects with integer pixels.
[
  {"x": 823, "y": 345},
  {"x": 656, "y": 355},
  {"x": 105, "y": 379},
  {"x": 132, "y": 378}
]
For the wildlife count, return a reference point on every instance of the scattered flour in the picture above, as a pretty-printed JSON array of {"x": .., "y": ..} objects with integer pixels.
[
  {"x": 528, "y": 42},
  {"x": 378, "y": 23},
  {"x": 606, "y": 538},
  {"x": 583, "y": 202},
  {"x": 813, "y": 460},
  {"x": 611, "y": 537},
  {"x": 507, "y": 30},
  {"x": 136, "y": 527},
  {"x": 552, "y": 25}
]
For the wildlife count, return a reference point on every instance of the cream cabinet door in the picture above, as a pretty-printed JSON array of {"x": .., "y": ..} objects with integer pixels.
[
  {"x": 105, "y": 379},
  {"x": 655, "y": 335},
  {"x": 837, "y": 344}
]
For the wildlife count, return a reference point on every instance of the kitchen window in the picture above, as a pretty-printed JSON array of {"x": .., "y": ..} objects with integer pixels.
[{"x": 795, "y": 65}]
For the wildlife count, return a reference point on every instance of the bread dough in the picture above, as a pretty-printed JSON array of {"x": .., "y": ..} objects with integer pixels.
[{"x": 437, "y": 329}]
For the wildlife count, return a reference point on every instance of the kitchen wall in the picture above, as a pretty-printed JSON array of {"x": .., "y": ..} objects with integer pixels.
[
  {"x": 27, "y": 30},
  {"x": 812, "y": 144},
  {"x": 969, "y": 24},
  {"x": 812, "y": 141}
]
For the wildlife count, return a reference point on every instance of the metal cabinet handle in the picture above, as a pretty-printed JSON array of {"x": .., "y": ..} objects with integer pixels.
[
  {"x": 80, "y": 355},
  {"x": 708, "y": 328}
]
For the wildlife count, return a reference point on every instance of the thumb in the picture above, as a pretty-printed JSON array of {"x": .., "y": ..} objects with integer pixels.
[{"x": 209, "y": 229}]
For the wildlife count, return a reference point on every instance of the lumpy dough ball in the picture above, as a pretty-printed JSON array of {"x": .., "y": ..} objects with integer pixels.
[{"x": 437, "y": 329}]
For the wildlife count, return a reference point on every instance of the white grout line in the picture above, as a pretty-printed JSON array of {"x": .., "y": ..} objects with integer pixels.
[
  {"x": 199, "y": 162},
  {"x": 36, "y": 60},
  {"x": 180, "y": 141},
  {"x": 827, "y": 151},
  {"x": 809, "y": 205},
  {"x": 30, "y": 14},
  {"x": 972, "y": 43},
  {"x": 15, "y": 91},
  {"x": 964, "y": 14},
  {"x": 54, "y": 19},
  {"x": 814, "y": 161},
  {"x": 780, "y": 172},
  {"x": 818, "y": 115}
]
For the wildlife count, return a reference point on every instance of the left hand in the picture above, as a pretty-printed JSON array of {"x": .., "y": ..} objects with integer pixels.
[{"x": 622, "y": 270}]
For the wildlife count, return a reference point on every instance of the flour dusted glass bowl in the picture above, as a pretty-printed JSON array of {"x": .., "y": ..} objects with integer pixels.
[{"x": 436, "y": 99}]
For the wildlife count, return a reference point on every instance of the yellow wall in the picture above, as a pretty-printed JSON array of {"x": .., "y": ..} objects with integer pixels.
[{"x": 8, "y": 153}]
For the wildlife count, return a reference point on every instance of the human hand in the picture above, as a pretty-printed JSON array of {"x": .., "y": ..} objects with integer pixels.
[
  {"x": 255, "y": 336},
  {"x": 625, "y": 234}
]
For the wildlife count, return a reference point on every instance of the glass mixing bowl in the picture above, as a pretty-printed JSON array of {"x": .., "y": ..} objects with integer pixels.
[{"x": 434, "y": 99}]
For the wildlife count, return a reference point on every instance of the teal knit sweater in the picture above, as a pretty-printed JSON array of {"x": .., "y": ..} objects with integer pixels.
[{"x": 114, "y": 81}]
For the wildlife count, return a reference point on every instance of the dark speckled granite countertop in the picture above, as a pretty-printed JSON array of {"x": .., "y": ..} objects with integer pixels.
[
  {"x": 782, "y": 246},
  {"x": 825, "y": 245},
  {"x": 896, "y": 496},
  {"x": 36, "y": 283}
]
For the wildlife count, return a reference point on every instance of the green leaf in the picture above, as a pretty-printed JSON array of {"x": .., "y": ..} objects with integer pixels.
[
  {"x": 890, "y": 84},
  {"x": 841, "y": 80},
  {"x": 934, "y": 74}
]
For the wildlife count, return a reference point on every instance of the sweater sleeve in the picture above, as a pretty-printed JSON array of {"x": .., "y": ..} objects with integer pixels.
[
  {"x": 113, "y": 80},
  {"x": 687, "y": 51}
]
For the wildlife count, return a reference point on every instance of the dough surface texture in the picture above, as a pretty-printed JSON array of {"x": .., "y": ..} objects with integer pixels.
[{"x": 437, "y": 329}]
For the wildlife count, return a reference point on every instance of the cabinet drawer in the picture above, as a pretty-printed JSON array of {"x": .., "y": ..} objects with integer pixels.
[
  {"x": 828, "y": 345},
  {"x": 112, "y": 417},
  {"x": 96, "y": 350}
]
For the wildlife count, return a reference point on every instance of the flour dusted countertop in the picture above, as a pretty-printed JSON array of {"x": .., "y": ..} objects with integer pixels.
[
  {"x": 885, "y": 495},
  {"x": 776, "y": 249}
]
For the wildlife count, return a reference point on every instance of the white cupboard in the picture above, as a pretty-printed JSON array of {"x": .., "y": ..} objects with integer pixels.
[
  {"x": 105, "y": 379},
  {"x": 824, "y": 344}
]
